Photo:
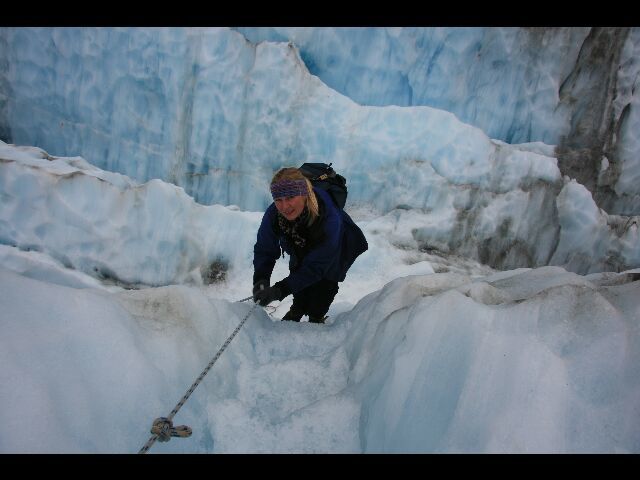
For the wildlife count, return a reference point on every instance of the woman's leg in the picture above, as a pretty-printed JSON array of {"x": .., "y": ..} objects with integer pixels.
[
  {"x": 293, "y": 314},
  {"x": 314, "y": 301},
  {"x": 319, "y": 300}
]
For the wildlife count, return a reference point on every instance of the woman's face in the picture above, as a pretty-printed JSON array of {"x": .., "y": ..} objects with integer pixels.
[{"x": 291, "y": 207}]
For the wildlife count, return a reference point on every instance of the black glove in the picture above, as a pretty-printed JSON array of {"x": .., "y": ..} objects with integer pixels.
[
  {"x": 259, "y": 285},
  {"x": 268, "y": 295}
]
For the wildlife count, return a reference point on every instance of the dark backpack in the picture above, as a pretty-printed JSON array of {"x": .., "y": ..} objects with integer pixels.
[
  {"x": 354, "y": 243},
  {"x": 325, "y": 177}
]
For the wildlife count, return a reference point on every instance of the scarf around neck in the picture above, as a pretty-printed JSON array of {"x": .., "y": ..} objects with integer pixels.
[{"x": 295, "y": 229}]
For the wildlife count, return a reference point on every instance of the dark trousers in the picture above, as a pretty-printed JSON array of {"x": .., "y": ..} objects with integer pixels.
[{"x": 314, "y": 301}]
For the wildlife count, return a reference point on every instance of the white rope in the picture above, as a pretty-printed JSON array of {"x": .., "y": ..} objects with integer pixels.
[{"x": 162, "y": 428}]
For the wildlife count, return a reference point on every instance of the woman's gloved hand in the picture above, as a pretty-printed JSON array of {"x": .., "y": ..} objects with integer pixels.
[
  {"x": 259, "y": 285},
  {"x": 267, "y": 295}
]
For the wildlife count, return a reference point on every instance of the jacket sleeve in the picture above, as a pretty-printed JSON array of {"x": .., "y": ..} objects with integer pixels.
[
  {"x": 321, "y": 258},
  {"x": 266, "y": 249}
]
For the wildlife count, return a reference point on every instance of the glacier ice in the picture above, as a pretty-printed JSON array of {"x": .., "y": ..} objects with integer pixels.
[
  {"x": 105, "y": 256},
  {"x": 524, "y": 361},
  {"x": 155, "y": 234},
  {"x": 208, "y": 110},
  {"x": 567, "y": 86}
]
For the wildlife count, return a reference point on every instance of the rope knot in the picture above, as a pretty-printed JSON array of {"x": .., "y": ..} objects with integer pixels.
[{"x": 164, "y": 429}]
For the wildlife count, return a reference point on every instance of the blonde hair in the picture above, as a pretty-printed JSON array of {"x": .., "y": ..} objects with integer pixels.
[{"x": 292, "y": 173}]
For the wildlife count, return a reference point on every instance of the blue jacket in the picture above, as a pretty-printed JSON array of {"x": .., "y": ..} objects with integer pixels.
[{"x": 337, "y": 242}]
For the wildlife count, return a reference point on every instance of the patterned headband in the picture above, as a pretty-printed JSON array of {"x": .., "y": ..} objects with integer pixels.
[{"x": 289, "y": 188}]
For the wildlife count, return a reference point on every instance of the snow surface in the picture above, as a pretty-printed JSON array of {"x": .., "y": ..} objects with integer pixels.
[{"x": 107, "y": 317}]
